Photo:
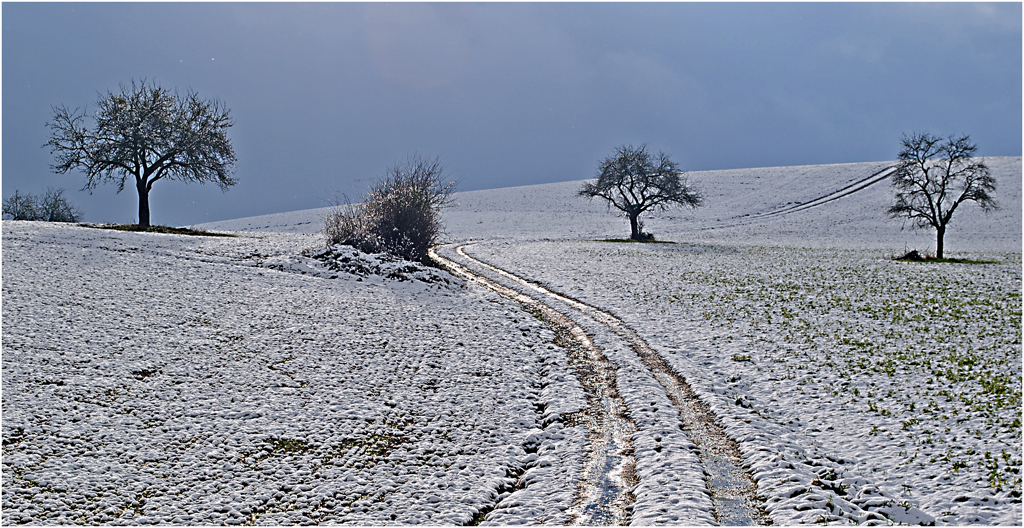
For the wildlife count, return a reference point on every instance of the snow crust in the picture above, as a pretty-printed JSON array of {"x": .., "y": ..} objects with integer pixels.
[
  {"x": 734, "y": 199},
  {"x": 855, "y": 385}
]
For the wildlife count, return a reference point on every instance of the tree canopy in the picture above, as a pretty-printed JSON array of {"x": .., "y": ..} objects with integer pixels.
[
  {"x": 934, "y": 176},
  {"x": 149, "y": 133},
  {"x": 634, "y": 182}
]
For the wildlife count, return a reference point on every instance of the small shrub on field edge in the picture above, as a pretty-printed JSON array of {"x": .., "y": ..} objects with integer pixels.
[{"x": 401, "y": 215}]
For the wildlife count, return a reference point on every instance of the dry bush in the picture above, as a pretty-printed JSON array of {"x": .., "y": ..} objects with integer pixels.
[
  {"x": 21, "y": 207},
  {"x": 401, "y": 215},
  {"x": 52, "y": 206},
  {"x": 56, "y": 208}
]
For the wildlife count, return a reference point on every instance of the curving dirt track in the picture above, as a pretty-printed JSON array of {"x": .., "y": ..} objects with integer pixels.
[{"x": 604, "y": 497}]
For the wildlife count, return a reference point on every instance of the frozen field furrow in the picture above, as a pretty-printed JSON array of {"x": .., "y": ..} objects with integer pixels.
[{"x": 146, "y": 383}]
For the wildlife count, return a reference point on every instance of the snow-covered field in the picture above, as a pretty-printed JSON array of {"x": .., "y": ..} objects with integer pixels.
[
  {"x": 840, "y": 370},
  {"x": 163, "y": 379}
]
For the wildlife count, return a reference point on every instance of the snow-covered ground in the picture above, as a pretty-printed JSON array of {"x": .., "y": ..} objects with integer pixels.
[
  {"x": 155, "y": 378},
  {"x": 841, "y": 372},
  {"x": 164, "y": 379},
  {"x": 734, "y": 198}
]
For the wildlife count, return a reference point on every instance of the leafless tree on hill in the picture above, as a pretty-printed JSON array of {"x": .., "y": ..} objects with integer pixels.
[
  {"x": 149, "y": 133},
  {"x": 634, "y": 182},
  {"x": 934, "y": 176}
]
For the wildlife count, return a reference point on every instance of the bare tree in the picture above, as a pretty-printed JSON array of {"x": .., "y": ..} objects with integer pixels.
[
  {"x": 634, "y": 182},
  {"x": 936, "y": 175},
  {"x": 149, "y": 133}
]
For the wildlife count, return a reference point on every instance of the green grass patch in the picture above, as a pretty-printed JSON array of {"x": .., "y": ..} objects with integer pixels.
[
  {"x": 158, "y": 229},
  {"x": 289, "y": 446}
]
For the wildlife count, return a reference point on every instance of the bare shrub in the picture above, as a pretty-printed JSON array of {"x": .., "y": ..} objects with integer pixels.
[
  {"x": 21, "y": 207},
  {"x": 56, "y": 208},
  {"x": 52, "y": 206},
  {"x": 401, "y": 215},
  {"x": 347, "y": 226}
]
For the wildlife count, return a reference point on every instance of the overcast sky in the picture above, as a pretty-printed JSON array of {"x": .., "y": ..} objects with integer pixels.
[{"x": 326, "y": 96}]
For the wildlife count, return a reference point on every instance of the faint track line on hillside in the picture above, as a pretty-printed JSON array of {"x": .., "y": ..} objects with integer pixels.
[
  {"x": 732, "y": 489},
  {"x": 859, "y": 185},
  {"x": 835, "y": 195}
]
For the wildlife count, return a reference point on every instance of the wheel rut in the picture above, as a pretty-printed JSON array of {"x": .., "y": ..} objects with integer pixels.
[
  {"x": 859, "y": 185},
  {"x": 731, "y": 488},
  {"x": 856, "y": 186},
  {"x": 604, "y": 496}
]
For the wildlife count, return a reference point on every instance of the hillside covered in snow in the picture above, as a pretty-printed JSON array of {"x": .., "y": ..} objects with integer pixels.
[
  {"x": 817, "y": 206},
  {"x": 266, "y": 379}
]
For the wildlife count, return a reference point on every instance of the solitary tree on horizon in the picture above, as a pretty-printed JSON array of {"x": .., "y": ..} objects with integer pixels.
[
  {"x": 934, "y": 177},
  {"x": 634, "y": 182},
  {"x": 149, "y": 133}
]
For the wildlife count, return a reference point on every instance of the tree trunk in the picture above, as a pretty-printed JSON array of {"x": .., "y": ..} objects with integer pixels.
[
  {"x": 143, "y": 206},
  {"x": 634, "y": 226},
  {"x": 940, "y": 232}
]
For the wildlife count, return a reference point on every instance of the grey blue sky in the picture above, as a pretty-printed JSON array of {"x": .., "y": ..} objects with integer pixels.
[{"x": 326, "y": 96}]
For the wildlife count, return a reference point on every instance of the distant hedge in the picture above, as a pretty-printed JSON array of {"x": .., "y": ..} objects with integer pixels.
[{"x": 52, "y": 206}]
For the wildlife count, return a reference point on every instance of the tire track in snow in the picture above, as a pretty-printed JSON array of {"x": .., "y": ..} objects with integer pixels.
[
  {"x": 845, "y": 191},
  {"x": 605, "y": 498},
  {"x": 851, "y": 188},
  {"x": 732, "y": 489}
]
